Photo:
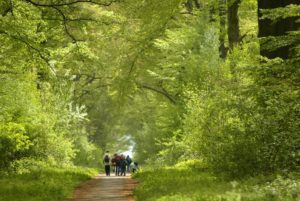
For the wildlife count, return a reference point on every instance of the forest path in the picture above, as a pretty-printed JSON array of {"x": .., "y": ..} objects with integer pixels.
[{"x": 103, "y": 188}]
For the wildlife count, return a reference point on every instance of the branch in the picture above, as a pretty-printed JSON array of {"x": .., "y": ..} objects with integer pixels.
[
  {"x": 70, "y": 3},
  {"x": 65, "y": 24},
  {"x": 87, "y": 92},
  {"x": 135, "y": 60},
  {"x": 243, "y": 36},
  {"x": 30, "y": 47},
  {"x": 160, "y": 91},
  {"x": 65, "y": 19}
]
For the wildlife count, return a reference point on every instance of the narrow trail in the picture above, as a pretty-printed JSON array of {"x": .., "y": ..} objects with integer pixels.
[{"x": 104, "y": 188}]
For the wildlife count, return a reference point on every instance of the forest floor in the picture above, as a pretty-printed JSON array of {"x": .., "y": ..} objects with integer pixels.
[{"x": 113, "y": 188}]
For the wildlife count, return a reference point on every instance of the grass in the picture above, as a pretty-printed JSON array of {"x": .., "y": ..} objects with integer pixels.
[
  {"x": 189, "y": 184},
  {"x": 177, "y": 184},
  {"x": 51, "y": 184}
]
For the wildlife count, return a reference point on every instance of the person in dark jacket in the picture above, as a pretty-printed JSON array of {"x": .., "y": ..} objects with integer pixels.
[
  {"x": 118, "y": 164},
  {"x": 123, "y": 164},
  {"x": 128, "y": 161}
]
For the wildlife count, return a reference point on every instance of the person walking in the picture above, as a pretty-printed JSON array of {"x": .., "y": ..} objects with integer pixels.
[
  {"x": 123, "y": 164},
  {"x": 106, "y": 162},
  {"x": 128, "y": 161},
  {"x": 113, "y": 162},
  {"x": 118, "y": 163}
]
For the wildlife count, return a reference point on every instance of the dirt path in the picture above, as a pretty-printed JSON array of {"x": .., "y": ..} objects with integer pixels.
[{"x": 104, "y": 188}]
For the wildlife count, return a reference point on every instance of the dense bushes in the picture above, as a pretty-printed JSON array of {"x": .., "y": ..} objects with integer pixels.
[{"x": 31, "y": 127}]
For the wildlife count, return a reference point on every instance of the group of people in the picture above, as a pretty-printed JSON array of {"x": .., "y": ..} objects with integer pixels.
[{"x": 119, "y": 163}]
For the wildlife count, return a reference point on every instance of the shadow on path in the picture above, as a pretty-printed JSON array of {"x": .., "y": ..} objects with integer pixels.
[{"x": 104, "y": 188}]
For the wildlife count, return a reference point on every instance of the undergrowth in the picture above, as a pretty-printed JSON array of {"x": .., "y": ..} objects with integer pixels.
[
  {"x": 42, "y": 182},
  {"x": 187, "y": 183}
]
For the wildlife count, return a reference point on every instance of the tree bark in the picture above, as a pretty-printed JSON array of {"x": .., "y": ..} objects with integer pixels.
[
  {"x": 190, "y": 4},
  {"x": 280, "y": 27},
  {"x": 222, "y": 35},
  {"x": 233, "y": 23}
]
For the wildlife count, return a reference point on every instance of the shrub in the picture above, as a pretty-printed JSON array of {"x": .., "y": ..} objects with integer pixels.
[{"x": 13, "y": 143}]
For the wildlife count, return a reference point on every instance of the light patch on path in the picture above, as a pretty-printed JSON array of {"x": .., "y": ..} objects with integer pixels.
[{"x": 104, "y": 188}]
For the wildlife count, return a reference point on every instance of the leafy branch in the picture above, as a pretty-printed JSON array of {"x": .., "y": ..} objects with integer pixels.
[
  {"x": 30, "y": 46},
  {"x": 161, "y": 91}
]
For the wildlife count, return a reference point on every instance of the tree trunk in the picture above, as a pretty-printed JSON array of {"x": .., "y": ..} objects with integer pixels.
[
  {"x": 233, "y": 23},
  {"x": 268, "y": 27},
  {"x": 222, "y": 15},
  {"x": 190, "y": 5},
  {"x": 197, "y": 3}
]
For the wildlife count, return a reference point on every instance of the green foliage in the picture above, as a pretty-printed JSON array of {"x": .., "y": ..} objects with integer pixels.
[
  {"x": 13, "y": 142},
  {"x": 278, "y": 190},
  {"x": 278, "y": 124},
  {"x": 235, "y": 115},
  {"x": 87, "y": 154},
  {"x": 189, "y": 184},
  {"x": 37, "y": 90},
  {"x": 37, "y": 181},
  {"x": 176, "y": 183},
  {"x": 81, "y": 78},
  {"x": 291, "y": 10}
]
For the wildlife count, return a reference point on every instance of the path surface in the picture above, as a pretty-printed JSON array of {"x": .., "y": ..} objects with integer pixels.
[{"x": 104, "y": 188}]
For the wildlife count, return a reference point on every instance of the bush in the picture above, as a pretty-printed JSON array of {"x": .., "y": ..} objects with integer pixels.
[
  {"x": 87, "y": 154},
  {"x": 13, "y": 142},
  {"x": 37, "y": 181},
  {"x": 192, "y": 164},
  {"x": 279, "y": 190}
]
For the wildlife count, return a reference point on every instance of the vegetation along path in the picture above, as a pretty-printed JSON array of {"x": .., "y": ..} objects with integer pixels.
[{"x": 104, "y": 188}]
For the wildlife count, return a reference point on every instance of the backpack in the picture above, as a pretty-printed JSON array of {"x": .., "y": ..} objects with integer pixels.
[
  {"x": 106, "y": 159},
  {"x": 118, "y": 160}
]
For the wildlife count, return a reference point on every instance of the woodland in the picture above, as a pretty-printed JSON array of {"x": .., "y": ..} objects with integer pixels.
[{"x": 207, "y": 86}]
